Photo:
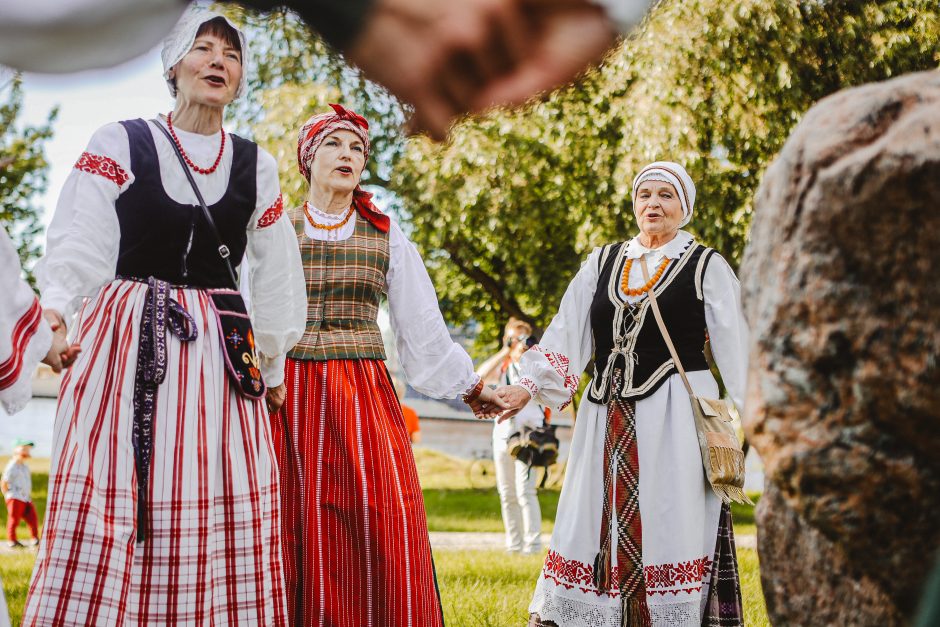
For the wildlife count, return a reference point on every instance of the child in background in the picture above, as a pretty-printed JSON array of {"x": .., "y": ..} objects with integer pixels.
[{"x": 17, "y": 486}]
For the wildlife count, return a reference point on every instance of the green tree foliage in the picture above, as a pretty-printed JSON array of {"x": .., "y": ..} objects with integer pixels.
[
  {"x": 507, "y": 209},
  {"x": 515, "y": 201},
  {"x": 23, "y": 172}
]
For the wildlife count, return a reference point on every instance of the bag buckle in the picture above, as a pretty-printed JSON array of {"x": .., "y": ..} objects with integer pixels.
[{"x": 224, "y": 252}]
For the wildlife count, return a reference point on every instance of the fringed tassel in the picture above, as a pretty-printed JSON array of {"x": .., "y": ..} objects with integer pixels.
[
  {"x": 726, "y": 463},
  {"x": 636, "y": 613},
  {"x": 602, "y": 570},
  {"x": 728, "y": 493}
]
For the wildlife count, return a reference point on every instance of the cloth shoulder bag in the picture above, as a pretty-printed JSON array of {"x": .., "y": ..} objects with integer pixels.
[
  {"x": 235, "y": 330},
  {"x": 722, "y": 455}
]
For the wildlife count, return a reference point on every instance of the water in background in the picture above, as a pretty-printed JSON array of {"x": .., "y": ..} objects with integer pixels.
[{"x": 33, "y": 423}]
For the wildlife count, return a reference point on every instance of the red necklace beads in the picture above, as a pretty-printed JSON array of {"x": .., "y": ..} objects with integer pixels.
[{"x": 189, "y": 162}]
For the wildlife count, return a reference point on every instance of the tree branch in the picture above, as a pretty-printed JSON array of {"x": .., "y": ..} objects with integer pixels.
[{"x": 489, "y": 284}]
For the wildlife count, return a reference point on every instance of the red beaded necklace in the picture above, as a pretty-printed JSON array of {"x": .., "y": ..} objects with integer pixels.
[{"x": 189, "y": 162}]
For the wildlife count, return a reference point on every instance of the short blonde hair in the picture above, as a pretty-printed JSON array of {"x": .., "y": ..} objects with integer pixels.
[{"x": 516, "y": 325}]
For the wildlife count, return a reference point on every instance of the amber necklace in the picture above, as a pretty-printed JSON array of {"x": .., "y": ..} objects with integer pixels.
[
  {"x": 327, "y": 227},
  {"x": 625, "y": 279}
]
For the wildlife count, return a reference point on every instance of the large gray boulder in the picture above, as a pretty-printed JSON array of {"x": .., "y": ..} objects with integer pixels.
[{"x": 842, "y": 291}]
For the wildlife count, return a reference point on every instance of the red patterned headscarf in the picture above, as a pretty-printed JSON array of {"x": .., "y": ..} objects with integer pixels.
[
  {"x": 312, "y": 134},
  {"x": 316, "y": 129}
]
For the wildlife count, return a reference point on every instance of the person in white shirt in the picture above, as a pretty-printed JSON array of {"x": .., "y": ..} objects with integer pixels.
[
  {"x": 347, "y": 469},
  {"x": 17, "y": 486},
  {"x": 640, "y": 537},
  {"x": 163, "y": 490},
  {"x": 515, "y": 480}
]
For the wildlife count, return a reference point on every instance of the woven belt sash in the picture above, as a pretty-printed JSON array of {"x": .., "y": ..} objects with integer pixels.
[{"x": 161, "y": 314}]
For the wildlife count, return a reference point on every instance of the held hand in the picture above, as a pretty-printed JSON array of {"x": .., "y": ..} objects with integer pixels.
[
  {"x": 515, "y": 397},
  {"x": 569, "y": 36},
  {"x": 488, "y": 404},
  {"x": 61, "y": 354},
  {"x": 275, "y": 397},
  {"x": 439, "y": 55}
]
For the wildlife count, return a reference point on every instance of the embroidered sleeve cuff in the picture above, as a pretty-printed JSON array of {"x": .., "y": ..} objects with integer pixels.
[{"x": 530, "y": 386}]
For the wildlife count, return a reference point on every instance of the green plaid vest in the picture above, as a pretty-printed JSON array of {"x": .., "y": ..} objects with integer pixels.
[{"x": 345, "y": 282}]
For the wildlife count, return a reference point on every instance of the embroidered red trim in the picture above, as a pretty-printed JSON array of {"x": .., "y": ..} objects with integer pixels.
[
  {"x": 660, "y": 578},
  {"x": 678, "y": 574},
  {"x": 23, "y": 332},
  {"x": 560, "y": 363},
  {"x": 272, "y": 213},
  {"x": 102, "y": 166},
  {"x": 529, "y": 384}
]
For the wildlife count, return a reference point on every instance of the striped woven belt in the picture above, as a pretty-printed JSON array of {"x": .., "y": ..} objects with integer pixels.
[{"x": 161, "y": 314}]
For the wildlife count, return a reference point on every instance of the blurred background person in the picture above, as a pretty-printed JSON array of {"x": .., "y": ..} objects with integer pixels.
[
  {"x": 17, "y": 486},
  {"x": 412, "y": 426},
  {"x": 515, "y": 480}
]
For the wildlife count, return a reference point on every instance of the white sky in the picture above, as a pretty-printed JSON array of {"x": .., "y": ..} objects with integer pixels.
[{"x": 87, "y": 101}]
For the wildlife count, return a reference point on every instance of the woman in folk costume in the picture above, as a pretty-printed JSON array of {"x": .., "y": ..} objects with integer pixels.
[
  {"x": 355, "y": 532},
  {"x": 646, "y": 541},
  {"x": 163, "y": 495},
  {"x": 26, "y": 339}
]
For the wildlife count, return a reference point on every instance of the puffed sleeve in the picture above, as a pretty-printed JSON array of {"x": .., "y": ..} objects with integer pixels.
[
  {"x": 727, "y": 328},
  {"x": 552, "y": 369},
  {"x": 275, "y": 275},
  {"x": 433, "y": 363},
  {"x": 83, "y": 239},
  {"x": 25, "y": 337}
]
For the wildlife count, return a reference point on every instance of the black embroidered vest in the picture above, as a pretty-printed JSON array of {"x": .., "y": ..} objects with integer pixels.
[
  {"x": 172, "y": 241},
  {"x": 631, "y": 358}
]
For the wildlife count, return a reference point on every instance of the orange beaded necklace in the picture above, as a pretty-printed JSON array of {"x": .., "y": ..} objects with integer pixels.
[
  {"x": 625, "y": 279},
  {"x": 327, "y": 227}
]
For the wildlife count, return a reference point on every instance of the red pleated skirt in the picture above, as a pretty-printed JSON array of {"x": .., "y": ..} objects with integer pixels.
[{"x": 354, "y": 528}]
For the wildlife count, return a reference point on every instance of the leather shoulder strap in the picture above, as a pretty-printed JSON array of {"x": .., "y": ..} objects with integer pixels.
[{"x": 662, "y": 328}]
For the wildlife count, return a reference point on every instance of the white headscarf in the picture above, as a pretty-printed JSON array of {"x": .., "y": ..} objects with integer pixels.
[
  {"x": 181, "y": 38},
  {"x": 675, "y": 175}
]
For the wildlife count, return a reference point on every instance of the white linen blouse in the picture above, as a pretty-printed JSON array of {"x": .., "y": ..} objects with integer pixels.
[
  {"x": 432, "y": 362},
  {"x": 84, "y": 237},
  {"x": 569, "y": 341}
]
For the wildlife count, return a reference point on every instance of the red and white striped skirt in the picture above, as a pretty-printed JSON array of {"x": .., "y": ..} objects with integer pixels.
[
  {"x": 355, "y": 532},
  {"x": 212, "y": 555}
]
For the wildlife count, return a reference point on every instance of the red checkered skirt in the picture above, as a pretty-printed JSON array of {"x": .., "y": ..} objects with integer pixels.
[
  {"x": 355, "y": 532},
  {"x": 212, "y": 555}
]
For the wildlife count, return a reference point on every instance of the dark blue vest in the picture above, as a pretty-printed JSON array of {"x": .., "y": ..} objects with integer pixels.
[{"x": 171, "y": 241}]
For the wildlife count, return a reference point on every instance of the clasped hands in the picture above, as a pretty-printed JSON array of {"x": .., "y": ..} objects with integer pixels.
[
  {"x": 501, "y": 403},
  {"x": 61, "y": 354},
  {"x": 464, "y": 56}
]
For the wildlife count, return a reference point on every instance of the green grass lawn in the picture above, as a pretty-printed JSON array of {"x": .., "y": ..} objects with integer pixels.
[
  {"x": 478, "y": 588},
  {"x": 453, "y": 505}
]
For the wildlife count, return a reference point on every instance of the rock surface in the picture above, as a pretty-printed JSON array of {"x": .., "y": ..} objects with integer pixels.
[{"x": 842, "y": 291}]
